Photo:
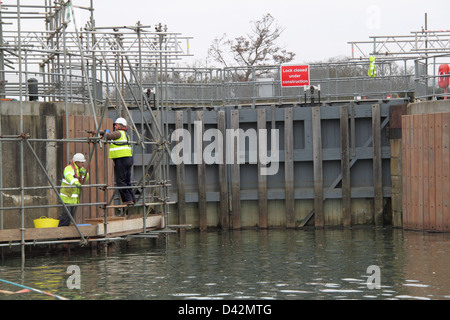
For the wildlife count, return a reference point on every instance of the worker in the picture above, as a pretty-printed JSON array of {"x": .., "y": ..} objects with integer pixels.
[
  {"x": 121, "y": 153},
  {"x": 74, "y": 175},
  {"x": 372, "y": 72}
]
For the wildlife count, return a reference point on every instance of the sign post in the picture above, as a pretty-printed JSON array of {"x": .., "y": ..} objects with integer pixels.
[{"x": 294, "y": 75}]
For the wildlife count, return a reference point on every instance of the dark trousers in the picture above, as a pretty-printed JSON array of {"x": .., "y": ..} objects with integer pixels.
[
  {"x": 64, "y": 219},
  {"x": 122, "y": 174}
]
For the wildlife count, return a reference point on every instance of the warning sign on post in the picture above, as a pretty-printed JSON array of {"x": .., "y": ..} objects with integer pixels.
[{"x": 294, "y": 75}]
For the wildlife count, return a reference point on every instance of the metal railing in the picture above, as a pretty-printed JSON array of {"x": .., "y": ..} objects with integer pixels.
[
  {"x": 333, "y": 81},
  {"x": 430, "y": 84}
]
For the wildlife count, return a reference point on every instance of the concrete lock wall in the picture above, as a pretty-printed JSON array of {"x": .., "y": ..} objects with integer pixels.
[
  {"x": 311, "y": 174},
  {"x": 41, "y": 120}
]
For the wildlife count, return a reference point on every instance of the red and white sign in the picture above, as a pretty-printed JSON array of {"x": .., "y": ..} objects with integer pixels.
[{"x": 294, "y": 75}]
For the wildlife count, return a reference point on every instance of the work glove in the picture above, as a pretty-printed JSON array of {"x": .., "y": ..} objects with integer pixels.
[
  {"x": 78, "y": 184},
  {"x": 102, "y": 132},
  {"x": 82, "y": 171}
]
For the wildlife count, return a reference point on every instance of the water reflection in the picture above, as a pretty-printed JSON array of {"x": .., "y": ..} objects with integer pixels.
[{"x": 248, "y": 264}]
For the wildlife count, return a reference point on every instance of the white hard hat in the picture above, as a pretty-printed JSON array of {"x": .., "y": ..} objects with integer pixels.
[
  {"x": 121, "y": 121},
  {"x": 78, "y": 157}
]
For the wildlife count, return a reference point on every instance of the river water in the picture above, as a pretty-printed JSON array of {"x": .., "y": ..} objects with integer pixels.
[{"x": 361, "y": 263}]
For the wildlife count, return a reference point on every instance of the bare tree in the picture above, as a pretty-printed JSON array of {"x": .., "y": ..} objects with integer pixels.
[{"x": 258, "y": 48}]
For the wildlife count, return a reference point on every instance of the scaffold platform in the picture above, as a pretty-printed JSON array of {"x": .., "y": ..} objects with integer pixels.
[{"x": 93, "y": 231}]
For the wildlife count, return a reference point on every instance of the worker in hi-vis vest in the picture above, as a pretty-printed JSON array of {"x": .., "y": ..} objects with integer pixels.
[
  {"x": 74, "y": 176},
  {"x": 372, "y": 72},
  {"x": 120, "y": 152}
]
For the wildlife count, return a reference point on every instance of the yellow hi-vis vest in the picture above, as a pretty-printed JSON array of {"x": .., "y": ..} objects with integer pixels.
[
  {"x": 372, "y": 72},
  {"x": 71, "y": 176},
  {"x": 121, "y": 147}
]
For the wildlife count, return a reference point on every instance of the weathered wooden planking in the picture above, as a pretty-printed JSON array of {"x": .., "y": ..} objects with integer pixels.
[
  {"x": 102, "y": 220},
  {"x": 181, "y": 192},
  {"x": 429, "y": 219},
  {"x": 318, "y": 169},
  {"x": 426, "y": 169},
  {"x": 421, "y": 178},
  {"x": 201, "y": 174},
  {"x": 439, "y": 171},
  {"x": 130, "y": 226},
  {"x": 235, "y": 175},
  {"x": 345, "y": 168},
  {"x": 289, "y": 167},
  {"x": 262, "y": 179},
  {"x": 405, "y": 170},
  {"x": 410, "y": 178},
  {"x": 223, "y": 173},
  {"x": 445, "y": 172},
  {"x": 377, "y": 165},
  {"x": 414, "y": 172},
  {"x": 114, "y": 228},
  {"x": 78, "y": 128},
  {"x": 39, "y": 234}
]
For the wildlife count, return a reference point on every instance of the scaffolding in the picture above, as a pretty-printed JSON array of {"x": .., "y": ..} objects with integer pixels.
[
  {"x": 425, "y": 49},
  {"x": 46, "y": 55},
  {"x": 53, "y": 51},
  {"x": 418, "y": 44}
]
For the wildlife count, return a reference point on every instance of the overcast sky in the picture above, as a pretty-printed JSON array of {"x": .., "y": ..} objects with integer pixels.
[{"x": 314, "y": 30}]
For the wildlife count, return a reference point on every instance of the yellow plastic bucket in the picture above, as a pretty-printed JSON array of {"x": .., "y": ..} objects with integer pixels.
[{"x": 44, "y": 222}]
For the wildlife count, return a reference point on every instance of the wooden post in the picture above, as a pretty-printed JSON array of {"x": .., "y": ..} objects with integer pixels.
[
  {"x": 425, "y": 171},
  {"x": 420, "y": 176},
  {"x": 414, "y": 172},
  {"x": 289, "y": 167},
  {"x": 181, "y": 191},
  {"x": 377, "y": 166},
  {"x": 412, "y": 155},
  {"x": 406, "y": 170},
  {"x": 439, "y": 170},
  {"x": 262, "y": 179},
  {"x": 84, "y": 126},
  {"x": 93, "y": 192},
  {"x": 235, "y": 175},
  {"x": 223, "y": 175},
  {"x": 416, "y": 165},
  {"x": 446, "y": 172},
  {"x": 430, "y": 218},
  {"x": 318, "y": 170},
  {"x": 201, "y": 173},
  {"x": 51, "y": 164},
  {"x": 345, "y": 168}
]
